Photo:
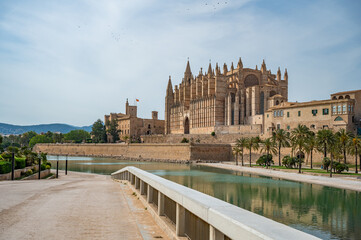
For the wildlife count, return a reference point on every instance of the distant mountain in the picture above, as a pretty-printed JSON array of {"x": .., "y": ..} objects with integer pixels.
[{"x": 7, "y": 129}]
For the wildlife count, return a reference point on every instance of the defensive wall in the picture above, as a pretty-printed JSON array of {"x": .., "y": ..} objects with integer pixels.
[
  {"x": 172, "y": 152},
  {"x": 184, "y": 213}
]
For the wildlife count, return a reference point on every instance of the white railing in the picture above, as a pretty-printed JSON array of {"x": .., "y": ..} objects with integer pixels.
[{"x": 219, "y": 219}]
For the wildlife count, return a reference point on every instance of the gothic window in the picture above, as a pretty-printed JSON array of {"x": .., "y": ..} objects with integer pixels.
[
  {"x": 251, "y": 80},
  {"x": 232, "y": 119},
  {"x": 233, "y": 98},
  {"x": 261, "y": 105}
]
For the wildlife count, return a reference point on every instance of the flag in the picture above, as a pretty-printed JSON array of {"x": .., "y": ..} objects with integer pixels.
[{"x": 137, "y": 99}]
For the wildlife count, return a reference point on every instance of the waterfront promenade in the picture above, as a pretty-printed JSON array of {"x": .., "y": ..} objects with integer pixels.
[
  {"x": 350, "y": 183},
  {"x": 76, "y": 206}
]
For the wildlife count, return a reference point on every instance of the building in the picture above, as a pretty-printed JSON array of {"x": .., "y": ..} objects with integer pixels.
[
  {"x": 342, "y": 110},
  {"x": 133, "y": 127},
  {"x": 231, "y": 101}
]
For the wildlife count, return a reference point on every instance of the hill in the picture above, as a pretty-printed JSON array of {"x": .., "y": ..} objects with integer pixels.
[{"x": 7, "y": 129}]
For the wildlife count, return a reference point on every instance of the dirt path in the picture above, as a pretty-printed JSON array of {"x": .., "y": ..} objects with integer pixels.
[{"x": 77, "y": 206}]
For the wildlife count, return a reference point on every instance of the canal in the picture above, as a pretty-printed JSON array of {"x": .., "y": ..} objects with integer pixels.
[{"x": 326, "y": 212}]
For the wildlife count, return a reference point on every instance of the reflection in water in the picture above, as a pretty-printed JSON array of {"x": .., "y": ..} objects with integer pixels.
[{"x": 325, "y": 212}]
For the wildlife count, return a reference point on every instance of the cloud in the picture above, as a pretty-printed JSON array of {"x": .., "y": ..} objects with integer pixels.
[{"x": 73, "y": 62}]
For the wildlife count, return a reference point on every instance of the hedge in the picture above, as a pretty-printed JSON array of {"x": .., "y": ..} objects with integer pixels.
[
  {"x": 20, "y": 163},
  {"x": 5, "y": 167}
]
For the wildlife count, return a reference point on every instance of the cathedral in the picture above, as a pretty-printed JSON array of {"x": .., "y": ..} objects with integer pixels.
[{"x": 230, "y": 101}]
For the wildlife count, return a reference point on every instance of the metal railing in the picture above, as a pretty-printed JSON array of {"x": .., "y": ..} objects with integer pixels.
[{"x": 200, "y": 216}]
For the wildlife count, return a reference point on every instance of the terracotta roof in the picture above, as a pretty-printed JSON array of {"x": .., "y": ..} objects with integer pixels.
[{"x": 346, "y": 92}]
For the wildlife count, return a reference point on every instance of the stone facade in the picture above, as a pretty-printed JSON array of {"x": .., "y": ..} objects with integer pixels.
[
  {"x": 142, "y": 151},
  {"x": 219, "y": 101},
  {"x": 133, "y": 127},
  {"x": 342, "y": 110}
]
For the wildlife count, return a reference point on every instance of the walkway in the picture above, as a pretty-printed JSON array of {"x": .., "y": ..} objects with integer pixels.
[
  {"x": 76, "y": 206},
  {"x": 349, "y": 183}
]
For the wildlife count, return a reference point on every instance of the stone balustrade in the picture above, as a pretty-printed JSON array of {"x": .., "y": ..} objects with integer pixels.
[{"x": 195, "y": 215}]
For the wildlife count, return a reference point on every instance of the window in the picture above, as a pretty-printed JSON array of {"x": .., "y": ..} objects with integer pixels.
[
  {"x": 275, "y": 114},
  {"x": 267, "y": 115},
  {"x": 339, "y": 108},
  {"x": 299, "y": 113},
  {"x": 333, "y": 109},
  {"x": 338, "y": 118},
  {"x": 352, "y": 108},
  {"x": 325, "y": 111},
  {"x": 314, "y": 112},
  {"x": 278, "y": 126},
  {"x": 349, "y": 108},
  {"x": 288, "y": 127},
  {"x": 288, "y": 114},
  {"x": 353, "y": 119},
  {"x": 281, "y": 113},
  {"x": 313, "y": 126},
  {"x": 325, "y": 126},
  {"x": 278, "y": 113},
  {"x": 344, "y": 108}
]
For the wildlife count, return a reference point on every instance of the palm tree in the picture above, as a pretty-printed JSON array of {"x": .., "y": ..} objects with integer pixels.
[
  {"x": 333, "y": 148},
  {"x": 311, "y": 144},
  {"x": 269, "y": 147},
  {"x": 281, "y": 138},
  {"x": 322, "y": 137},
  {"x": 354, "y": 146},
  {"x": 241, "y": 144},
  {"x": 252, "y": 144},
  {"x": 299, "y": 136},
  {"x": 344, "y": 136},
  {"x": 236, "y": 150}
]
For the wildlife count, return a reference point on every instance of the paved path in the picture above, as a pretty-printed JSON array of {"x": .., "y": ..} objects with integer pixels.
[
  {"x": 77, "y": 206},
  {"x": 337, "y": 182}
]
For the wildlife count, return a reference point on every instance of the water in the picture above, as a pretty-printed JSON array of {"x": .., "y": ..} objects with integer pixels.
[{"x": 325, "y": 212}]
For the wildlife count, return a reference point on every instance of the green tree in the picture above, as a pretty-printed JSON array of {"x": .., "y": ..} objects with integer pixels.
[
  {"x": 322, "y": 138},
  {"x": 344, "y": 137},
  {"x": 268, "y": 146},
  {"x": 25, "y": 138},
  {"x": 333, "y": 148},
  {"x": 241, "y": 144},
  {"x": 112, "y": 130},
  {"x": 39, "y": 139},
  {"x": 299, "y": 136},
  {"x": 77, "y": 136},
  {"x": 281, "y": 138},
  {"x": 58, "y": 138},
  {"x": 311, "y": 144},
  {"x": 252, "y": 144},
  {"x": 236, "y": 151},
  {"x": 98, "y": 131},
  {"x": 355, "y": 146}
]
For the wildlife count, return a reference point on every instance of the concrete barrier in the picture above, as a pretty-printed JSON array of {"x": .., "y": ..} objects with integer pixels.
[{"x": 200, "y": 216}]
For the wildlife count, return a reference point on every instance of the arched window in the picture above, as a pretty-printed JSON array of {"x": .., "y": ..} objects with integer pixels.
[
  {"x": 251, "y": 80},
  {"x": 334, "y": 98},
  {"x": 149, "y": 126},
  {"x": 340, "y": 97},
  {"x": 312, "y": 126},
  {"x": 347, "y": 97},
  {"x": 277, "y": 102}
]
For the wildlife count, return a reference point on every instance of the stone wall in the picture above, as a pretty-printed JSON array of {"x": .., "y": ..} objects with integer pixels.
[{"x": 174, "y": 152}]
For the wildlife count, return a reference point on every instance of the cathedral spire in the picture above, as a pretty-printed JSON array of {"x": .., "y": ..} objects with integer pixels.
[
  {"x": 279, "y": 74},
  {"x": 225, "y": 70},
  {"x": 256, "y": 67},
  {"x": 240, "y": 64},
  {"x": 232, "y": 67},
  {"x": 169, "y": 87},
  {"x": 188, "y": 68},
  {"x": 285, "y": 77},
  {"x": 209, "y": 68},
  {"x": 263, "y": 67}
]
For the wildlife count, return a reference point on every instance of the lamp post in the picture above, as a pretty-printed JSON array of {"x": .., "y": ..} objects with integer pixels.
[
  {"x": 13, "y": 165},
  {"x": 57, "y": 166},
  {"x": 39, "y": 157},
  {"x": 66, "y": 164}
]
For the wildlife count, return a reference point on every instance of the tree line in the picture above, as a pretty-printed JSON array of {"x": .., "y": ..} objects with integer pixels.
[{"x": 301, "y": 140}]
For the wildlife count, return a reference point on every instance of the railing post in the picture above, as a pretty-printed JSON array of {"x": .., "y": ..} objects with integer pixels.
[
  {"x": 142, "y": 192},
  {"x": 214, "y": 234},
  {"x": 160, "y": 203},
  {"x": 149, "y": 194},
  {"x": 180, "y": 220},
  {"x": 137, "y": 182}
]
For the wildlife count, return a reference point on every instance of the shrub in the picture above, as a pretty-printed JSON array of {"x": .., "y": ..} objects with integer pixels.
[
  {"x": 289, "y": 162},
  {"x": 47, "y": 166},
  {"x": 339, "y": 167},
  {"x": 20, "y": 163},
  {"x": 213, "y": 133},
  {"x": 29, "y": 172},
  {"x": 185, "y": 140},
  {"x": 5, "y": 167},
  {"x": 326, "y": 163},
  {"x": 265, "y": 160},
  {"x": 43, "y": 166},
  {"x": 6, "y": 156}
]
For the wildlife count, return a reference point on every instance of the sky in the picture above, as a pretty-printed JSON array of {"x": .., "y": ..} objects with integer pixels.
[{"x": 75, "y": 61}]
